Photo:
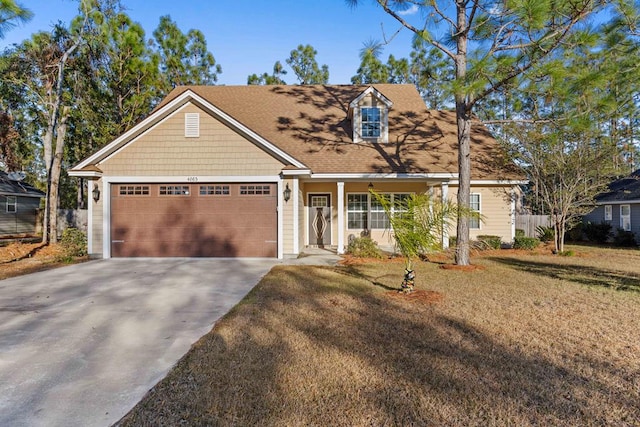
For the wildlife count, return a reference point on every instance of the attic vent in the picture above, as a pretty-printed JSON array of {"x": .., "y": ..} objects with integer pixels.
[{"x": 192, "y": 125}]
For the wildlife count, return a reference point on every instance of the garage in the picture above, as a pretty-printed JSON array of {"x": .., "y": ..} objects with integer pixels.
[{"x": 194, "y": 220}]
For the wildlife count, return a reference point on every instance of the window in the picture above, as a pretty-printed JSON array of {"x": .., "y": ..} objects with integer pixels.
[
  {"x": 12, "y": 204},
  {"x": 191, "y": 125},
  {"x": 474, "y": 205},
  {"x": 371, "y": 125},
  {"x": 379, "y": 218},
  {"x": 134, "y": 190},
  {"x": 174, "y": 190},
  {"x": 255, "y": 190},
  {"x": 214, "y": 190},
  {"x": 625, "y": 217},
  {"x": 365, "y": 212},
  {"x": 608, "y": 213},
  {"x": 357, "y": 206}
]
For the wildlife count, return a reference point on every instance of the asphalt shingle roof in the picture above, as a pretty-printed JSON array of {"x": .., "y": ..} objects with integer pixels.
[
  {"x": 311, "y": 123},
  {"x": 17, "y": 188},
  {"x": 623, "y": 189}
]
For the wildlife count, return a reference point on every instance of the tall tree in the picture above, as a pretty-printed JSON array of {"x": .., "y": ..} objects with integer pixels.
[
  {"x": 275, "y": 78},
  {"x": 371, "y": 69},
  {"x": 490, "y": 44},
  {"x": 183, "y": 58},
  {"x": 12, "y": 13},
  {"x": 431, "y": 73},
  {"x": 302, "y": 61}
]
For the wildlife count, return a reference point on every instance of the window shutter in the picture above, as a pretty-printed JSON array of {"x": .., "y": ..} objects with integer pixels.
[{"x": 192, "y": 125}]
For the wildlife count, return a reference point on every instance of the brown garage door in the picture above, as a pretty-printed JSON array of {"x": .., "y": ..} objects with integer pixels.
[{"x": 193, "y": 220}]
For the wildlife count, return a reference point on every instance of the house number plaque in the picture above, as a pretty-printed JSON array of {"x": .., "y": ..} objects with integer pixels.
[{"x": 192, "y": 179}]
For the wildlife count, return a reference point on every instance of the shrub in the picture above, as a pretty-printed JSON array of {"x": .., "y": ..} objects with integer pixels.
[
  {"x": 598, "y": 233},
  {"x": 74, "y": 243},
  {"x": 528, "y": 243},
  {"x": 574, "y": 234},
  {"x": 453, "y": 241},
  {"x": 490, "y": 242},
  {"x": 566, "y": 253},
  {"x": 545, "y": 234},
  {"x": 364, "y": 247},
  {"x": 625, "y": 239},
  {"x": 519, "y": 232}
]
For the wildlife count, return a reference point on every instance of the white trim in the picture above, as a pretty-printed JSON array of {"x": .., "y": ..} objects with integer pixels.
[
  {"x": 296, "y": 217},
  {"x": 513, "y": 214},
  {"x": 619, "y": 202},
  {"x": 280, "y": 212},
  {"x": 90, "y": 203},
  {"x": 372, "y": 176},
  {"x": 195, "y": 179},
  {"x": 493, "y": 182},
  {"x": 188, "y": 96},
  {"x": 85, "y": 174},
  {"x": 622, "y": 218},
  {"x": 296, "y": 172},
  {"x": 479, "y": 210},
  {"x": 340, "y": 207},
  {"x": 106, "y": 218},
  {"x": 445, "y": 231},
  {"x": 610, "y": 216},
  {"x": 376, "y": 93}
]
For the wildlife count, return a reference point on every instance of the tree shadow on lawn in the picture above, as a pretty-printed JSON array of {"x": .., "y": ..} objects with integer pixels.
[
  {"x": 315, "y": 348},
  {"x": 590, "y": 276}
]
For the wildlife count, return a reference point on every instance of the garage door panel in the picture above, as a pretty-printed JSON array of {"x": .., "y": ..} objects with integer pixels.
[{"x": 194, "y": 225}]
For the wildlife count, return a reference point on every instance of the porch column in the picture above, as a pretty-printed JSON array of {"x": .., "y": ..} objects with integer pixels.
[
  {"x": 340, "y": 207},
  {"x": 296, "y": 212},
  {"x": 513, "y": 213},
  {"x": 445, "y": 231}
]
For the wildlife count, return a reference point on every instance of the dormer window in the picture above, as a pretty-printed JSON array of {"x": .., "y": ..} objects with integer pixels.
[
  {"x": 370, "y": 117},
  {"x": 370, "y": 120}
]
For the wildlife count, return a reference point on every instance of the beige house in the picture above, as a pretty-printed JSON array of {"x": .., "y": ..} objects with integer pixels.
[{"x": 265, "y": 171}]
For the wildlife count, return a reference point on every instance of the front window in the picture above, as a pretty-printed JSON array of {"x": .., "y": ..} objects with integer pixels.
[
  {"x": 357, "y": 206},
  {"x": 371, "y": 124},
  {"x": 608, "y": 213},
  {"x": 364, "y": 212},
  {"x": 12, "y": 204},
  {"x": 474, "y": 205}
]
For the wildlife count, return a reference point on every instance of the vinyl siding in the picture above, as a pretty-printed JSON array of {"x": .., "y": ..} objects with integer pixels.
[
  {"x": 164, "y": 150},
  {"x": 23, "y": 221}
]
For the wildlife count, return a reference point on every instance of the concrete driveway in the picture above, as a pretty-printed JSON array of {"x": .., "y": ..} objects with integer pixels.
[{"x": 81, "y": 345}]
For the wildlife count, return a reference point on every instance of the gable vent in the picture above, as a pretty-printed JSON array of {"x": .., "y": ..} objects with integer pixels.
[{"x": 192, "y": 125}]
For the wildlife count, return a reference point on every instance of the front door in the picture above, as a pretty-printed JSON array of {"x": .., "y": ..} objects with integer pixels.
[{"x": 319, "y": 220}]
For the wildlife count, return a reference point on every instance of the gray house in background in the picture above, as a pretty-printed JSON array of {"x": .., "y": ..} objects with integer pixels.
[
  {"x": 620, "y": 205},
  {"x": 19, "y": 204}
]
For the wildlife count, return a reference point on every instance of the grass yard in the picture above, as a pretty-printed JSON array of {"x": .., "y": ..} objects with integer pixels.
[{"x": 523, "y": 340}]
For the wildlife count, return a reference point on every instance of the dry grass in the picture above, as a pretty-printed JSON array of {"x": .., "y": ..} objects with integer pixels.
[
  {"x": 17, "y": 259},
  {"x": 529, "y": 339}
]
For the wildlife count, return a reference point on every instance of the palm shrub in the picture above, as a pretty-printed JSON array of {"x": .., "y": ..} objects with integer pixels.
[
  {"x": 545, "y": 234},
  {"x": 418, "y": 222}
]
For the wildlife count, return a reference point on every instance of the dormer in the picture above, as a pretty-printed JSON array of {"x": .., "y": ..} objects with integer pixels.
[{"x": 369, "y": 114}]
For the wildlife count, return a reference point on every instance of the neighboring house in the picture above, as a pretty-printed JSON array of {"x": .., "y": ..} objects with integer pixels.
[
  {"x": 263, "y": 171},
  {"x": 620, "y": 205},
  {"x": 19, "y": 204}
]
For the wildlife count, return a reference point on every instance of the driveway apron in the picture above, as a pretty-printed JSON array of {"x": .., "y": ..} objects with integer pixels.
[{"x": 81, "y": 345}]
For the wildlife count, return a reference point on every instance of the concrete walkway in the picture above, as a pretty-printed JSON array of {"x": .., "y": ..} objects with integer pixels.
[{"x": 81, "y": 345}]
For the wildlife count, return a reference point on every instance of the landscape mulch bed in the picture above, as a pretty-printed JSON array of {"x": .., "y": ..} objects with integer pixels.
[
  {"x": 18, "y": 258},
  {"x": 417, "y": 296}
]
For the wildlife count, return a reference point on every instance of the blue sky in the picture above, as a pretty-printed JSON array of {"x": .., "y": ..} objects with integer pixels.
[{"x": 248, "y": 36}]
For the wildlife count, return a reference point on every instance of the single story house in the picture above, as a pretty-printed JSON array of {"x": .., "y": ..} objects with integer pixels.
[
  {"x": 264, "y": 171},
  {"x": 19, "y": 204},
  {"x": 619, "y": 205}
]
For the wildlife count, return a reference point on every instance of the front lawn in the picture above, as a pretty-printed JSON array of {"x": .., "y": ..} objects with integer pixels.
[{"x": 522, "y": 340}]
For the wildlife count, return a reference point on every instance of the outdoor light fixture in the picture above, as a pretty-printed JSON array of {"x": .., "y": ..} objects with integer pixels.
[
  {"x": 96, "y": 193},
  {"x": 370, "y": 186},
  {"x": 287, "y": 193}
]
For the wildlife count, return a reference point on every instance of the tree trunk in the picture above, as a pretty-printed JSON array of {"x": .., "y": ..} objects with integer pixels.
[
  {"x": 56, "y": 168},
  {"x": 463, "y": 118}
]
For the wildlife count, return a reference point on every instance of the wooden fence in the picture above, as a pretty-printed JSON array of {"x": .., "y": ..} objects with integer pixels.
[{"x": 529, "y": 223}]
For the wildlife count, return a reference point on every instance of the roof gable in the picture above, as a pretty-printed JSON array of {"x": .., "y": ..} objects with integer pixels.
[{"x": 12, "y": 187}]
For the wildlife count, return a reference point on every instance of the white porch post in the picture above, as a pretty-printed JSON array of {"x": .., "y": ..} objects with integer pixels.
[
  {"x": 340, "y": 208},
  {"x": 280, "y": 220},
  {"x": 445, "y": 231},
  {"x": 90, "y": 202},
  {"x": 513, "y": 214},
  {"x": 296, "y": 208}
]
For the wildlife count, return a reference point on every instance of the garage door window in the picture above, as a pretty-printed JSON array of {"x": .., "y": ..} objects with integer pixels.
[
  {"x": 174, "y": 190},
  {"x": 214, "y": 190},
  {"x": 134, "y": 190},
  {"x": 255, "y": 190}
]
